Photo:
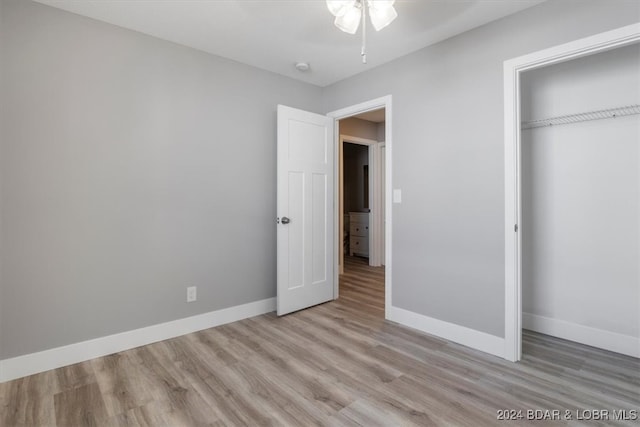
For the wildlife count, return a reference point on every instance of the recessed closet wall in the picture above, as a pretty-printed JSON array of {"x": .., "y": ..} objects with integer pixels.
[{"x": 580, "y": 202}]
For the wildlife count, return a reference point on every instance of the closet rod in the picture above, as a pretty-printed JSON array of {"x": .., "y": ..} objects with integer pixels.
[{"x": 583, "y": 117}]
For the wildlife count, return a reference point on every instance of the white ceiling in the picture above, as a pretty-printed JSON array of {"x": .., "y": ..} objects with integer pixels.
[{"x": 275, "y": 34}]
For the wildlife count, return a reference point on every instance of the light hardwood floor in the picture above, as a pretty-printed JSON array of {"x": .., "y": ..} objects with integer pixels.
[{"x": 337, "y": 364}]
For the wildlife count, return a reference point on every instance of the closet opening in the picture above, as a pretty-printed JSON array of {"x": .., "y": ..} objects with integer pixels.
[{"x": 580, "y": 208}]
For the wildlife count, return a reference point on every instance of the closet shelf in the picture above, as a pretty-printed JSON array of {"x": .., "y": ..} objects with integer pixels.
[{"x": 583, "y": 117}]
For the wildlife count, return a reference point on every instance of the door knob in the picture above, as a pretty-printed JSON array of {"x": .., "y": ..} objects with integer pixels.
[{"x": 285, "y": 220}]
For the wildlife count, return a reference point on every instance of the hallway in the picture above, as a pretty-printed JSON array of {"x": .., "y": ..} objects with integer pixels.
[{"x": 362, "y": 286}]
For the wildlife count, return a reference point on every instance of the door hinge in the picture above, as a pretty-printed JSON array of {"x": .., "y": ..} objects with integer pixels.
[{"x": 515, "y": 228}]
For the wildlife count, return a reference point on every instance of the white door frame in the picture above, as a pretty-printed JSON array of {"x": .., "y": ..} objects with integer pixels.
[
  {"x": 380, "y": 189},
  {"x": 374, "y": 104},
  {"x": 374, "y": 195},
  {"x": 513, "y": 69}
]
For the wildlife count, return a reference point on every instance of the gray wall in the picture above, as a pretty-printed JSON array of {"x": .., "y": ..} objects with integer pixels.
[
  {"x": 581, "y": 194},
  {"x": 130, "y": 169},
  {"x": 448, "y": 237},
  {"x": 381, "y": 132}
]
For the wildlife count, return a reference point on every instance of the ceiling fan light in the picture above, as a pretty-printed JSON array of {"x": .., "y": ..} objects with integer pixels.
[
  {"x": 380, "y": 4},
  {"x": 339, "y": 7},
  {"x": 382, "y": 16},
  {"x": 349, "y": 21}
]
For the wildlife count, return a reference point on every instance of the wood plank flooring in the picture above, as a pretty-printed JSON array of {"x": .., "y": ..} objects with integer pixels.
[{"x": 337, "y": 364}]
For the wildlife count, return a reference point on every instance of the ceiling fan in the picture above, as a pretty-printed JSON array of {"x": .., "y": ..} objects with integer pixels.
[{"x": 349, "y": 13}]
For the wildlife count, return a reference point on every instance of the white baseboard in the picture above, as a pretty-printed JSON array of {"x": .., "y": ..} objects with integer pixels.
[
  {"x": 612, "y": 341},
  {"x": 449, "y": 331},
  {"x": 34, "y": 363}
]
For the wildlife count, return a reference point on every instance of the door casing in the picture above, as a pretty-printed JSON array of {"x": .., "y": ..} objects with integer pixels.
[{"x": 374, "y": 104}]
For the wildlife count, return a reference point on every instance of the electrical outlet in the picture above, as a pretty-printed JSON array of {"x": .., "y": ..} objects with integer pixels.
[{"x": 192, "y": 294}]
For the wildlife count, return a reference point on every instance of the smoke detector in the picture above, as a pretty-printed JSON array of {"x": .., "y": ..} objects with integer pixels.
[{"x": 302, "y": 66}]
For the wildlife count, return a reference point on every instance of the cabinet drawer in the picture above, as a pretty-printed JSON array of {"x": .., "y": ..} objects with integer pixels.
[
  {"x": 359, "y": 245},
  {"x": 359, "y": 229},
  {"x": 359, "y": 217}
]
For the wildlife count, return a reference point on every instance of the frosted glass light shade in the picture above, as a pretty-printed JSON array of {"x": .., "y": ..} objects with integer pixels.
[
  {"x": 349, "y": 13},
  {"x": 349, "y": 21},
  {"x": 381, "y": 4},
  {"x": 382, "y": 13},
  {"x": 339, "y": 7}
]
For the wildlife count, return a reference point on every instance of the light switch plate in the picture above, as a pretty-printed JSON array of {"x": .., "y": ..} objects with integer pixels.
[
  {"x": 192, "y": 294},
  {"x": 397, "y": 195}
]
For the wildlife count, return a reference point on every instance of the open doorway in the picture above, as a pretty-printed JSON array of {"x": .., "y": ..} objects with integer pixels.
[{"x": 361, "y": 179}]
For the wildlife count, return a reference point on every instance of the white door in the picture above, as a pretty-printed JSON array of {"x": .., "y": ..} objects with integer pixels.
[{"x": 305, "y": 209}]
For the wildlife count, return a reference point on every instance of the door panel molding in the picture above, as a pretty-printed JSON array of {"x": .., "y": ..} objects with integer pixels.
[{"x": 305, "y": 245}]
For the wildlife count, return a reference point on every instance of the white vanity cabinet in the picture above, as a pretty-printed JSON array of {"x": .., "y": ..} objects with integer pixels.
[{"x": 359, "y": 233}]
